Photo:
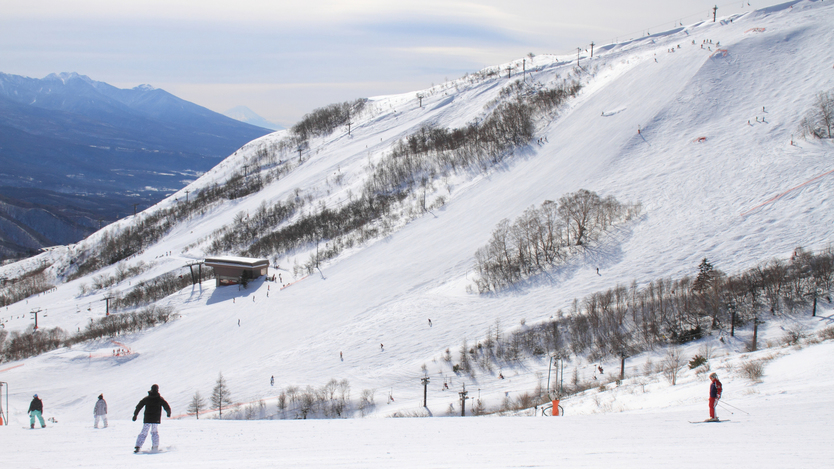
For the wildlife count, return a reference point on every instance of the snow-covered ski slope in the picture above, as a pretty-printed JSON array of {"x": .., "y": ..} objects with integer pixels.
[
  {"x": 780, "y": 422},
  {"x": 700, "y": 171}
]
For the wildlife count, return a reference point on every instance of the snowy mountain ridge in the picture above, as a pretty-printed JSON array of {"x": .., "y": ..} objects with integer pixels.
[
  {"x": 717, "y": 106},
  {"x": 244, "y": 114}
]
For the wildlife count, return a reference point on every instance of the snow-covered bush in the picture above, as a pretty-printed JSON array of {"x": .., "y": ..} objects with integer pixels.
[
  {"x": 793, "y": 335},
  {"x": 672, "y": 364},
  {"x": 753, "y": 369}
]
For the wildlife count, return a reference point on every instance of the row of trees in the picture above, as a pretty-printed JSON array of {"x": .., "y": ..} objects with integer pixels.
[
  {"x": 27, "y": 284},
  {"x": 123, "y": 272},
  {"x": 325, "y": 120},
  {"x": 627, "y": 320},
  {"x": 545, "y": 236},
  {"x": 326, "y": 224},
  {"x": 220, "y": 397},
  {"x": 432, "y": 151},
  {"x": 148, "y": 291},
  {"x": 29, "y": 343},
  {"x": 124, "y": 323},
  {"x": 329, "y": 401}
]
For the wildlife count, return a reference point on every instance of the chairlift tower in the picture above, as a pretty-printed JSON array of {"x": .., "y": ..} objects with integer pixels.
[
  {"x": 198, "y": 276},
  {"x": 35, "y": 315},
  {"x": 107, "y": 299}
]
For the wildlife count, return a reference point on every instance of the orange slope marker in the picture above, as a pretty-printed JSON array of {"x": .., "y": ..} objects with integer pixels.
[{"x": 774, "y": 199}]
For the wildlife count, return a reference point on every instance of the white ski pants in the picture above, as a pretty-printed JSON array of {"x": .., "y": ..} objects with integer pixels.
[
  {"x": 102, "y": 417},
  {"x": 144, "y": 434}
]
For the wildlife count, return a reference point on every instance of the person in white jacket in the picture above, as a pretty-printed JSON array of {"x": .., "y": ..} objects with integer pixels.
[{"x": 100, "y": 411}]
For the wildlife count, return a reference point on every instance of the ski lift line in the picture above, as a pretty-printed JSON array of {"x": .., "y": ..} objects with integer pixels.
[
  {"x": 774, "y": 199},
  {"x": 662, "y": 25}
]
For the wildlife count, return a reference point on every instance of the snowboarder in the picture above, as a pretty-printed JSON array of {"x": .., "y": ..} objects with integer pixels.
[
  {"x": 36, "y": 410},
  {"x": 341, "y": 357},
  {"x": 381, "y": 348},
  {"x": 272, "y": 380},
  {"x": 100, "y": 411},
  {"x": 429, "y": 322},
  {"x": 714, "y": 395},
  {"x": 153, "y": 404}
]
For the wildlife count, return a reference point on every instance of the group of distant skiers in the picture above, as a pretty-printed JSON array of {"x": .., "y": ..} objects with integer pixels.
[{"x": 153, "y": 404}]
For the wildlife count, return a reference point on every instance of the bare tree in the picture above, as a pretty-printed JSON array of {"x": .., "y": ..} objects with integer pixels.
[
  {"x": 672, "y": 364},
  {"x": 820, "y": 119},
  {"x": 197, "y": 404},
  {"x": 577, "y": 211},
  {"x": 824, "y": 108},
  {"x": 220, "y": 395}
]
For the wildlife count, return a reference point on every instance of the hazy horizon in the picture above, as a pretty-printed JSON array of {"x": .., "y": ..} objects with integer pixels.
[{"x": 284, "y": 59}]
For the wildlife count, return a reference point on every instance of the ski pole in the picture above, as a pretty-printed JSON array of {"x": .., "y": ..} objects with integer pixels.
[
  {"x": 728, "y": 410},
  {"x": 734, "y": 407}
]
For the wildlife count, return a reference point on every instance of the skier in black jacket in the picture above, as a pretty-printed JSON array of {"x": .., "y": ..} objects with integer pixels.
[
  {"x": 36, "y": 410},
  {"x": 153, "y": 405}
]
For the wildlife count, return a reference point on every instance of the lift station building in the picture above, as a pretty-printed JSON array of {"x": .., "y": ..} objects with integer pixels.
[{"x": 230, "y": 270}]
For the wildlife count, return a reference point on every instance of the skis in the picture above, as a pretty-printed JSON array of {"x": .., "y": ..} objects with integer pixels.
[{"x": 710, "y": 421}]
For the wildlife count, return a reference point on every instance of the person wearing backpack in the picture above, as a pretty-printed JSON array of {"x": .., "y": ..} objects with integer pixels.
[
  {"x": 36, "y": 410},
  {"x": 714, "y": 395}
]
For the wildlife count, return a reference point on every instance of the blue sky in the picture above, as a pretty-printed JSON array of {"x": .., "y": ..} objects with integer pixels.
[{"x": 283, "y": 59}]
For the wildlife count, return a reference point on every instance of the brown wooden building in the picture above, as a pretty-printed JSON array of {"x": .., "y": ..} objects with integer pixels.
[{"x": 230, "y": 270}]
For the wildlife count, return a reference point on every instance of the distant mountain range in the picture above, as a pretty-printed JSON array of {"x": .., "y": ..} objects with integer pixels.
[
  {"x": 80, "y": 153},
  {"x": 244, "y": 114}
]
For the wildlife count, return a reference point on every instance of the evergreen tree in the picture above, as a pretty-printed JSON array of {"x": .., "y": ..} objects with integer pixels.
[
  {"x": 197, "y": 404},
  {"x": 705, "y": 276},
  {"x": 220, "y": 395}
]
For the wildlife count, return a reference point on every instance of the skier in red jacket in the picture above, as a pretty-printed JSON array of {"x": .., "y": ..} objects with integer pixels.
[{"x": 714, "y": 396}]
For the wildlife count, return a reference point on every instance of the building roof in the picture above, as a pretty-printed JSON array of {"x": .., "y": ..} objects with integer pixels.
[{"x": 232, "y": 261}]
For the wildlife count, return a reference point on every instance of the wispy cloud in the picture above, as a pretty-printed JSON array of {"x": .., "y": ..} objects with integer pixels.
[{"x": 301, "y": 53}]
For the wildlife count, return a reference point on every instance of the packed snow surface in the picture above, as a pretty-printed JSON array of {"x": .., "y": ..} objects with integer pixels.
[{"x": 718, "y": 106}]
